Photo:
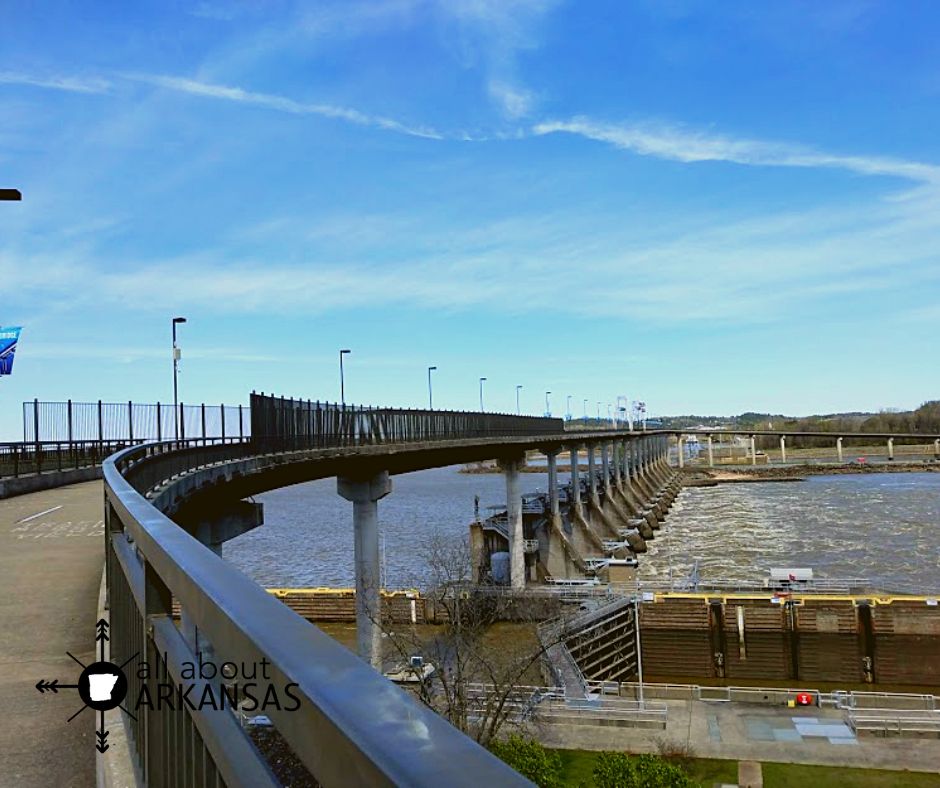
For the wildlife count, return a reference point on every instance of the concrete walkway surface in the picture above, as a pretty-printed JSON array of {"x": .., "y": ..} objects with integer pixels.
[
  {"x": 51, "y": 558},
  {"x": 753, "y": 732}
]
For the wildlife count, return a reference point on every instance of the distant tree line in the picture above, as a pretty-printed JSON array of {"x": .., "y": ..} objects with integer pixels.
[{"x": 923, "y": 420}]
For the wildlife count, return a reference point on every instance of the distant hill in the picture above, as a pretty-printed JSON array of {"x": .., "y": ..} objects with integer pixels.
[{"x": 924, "y": 419}]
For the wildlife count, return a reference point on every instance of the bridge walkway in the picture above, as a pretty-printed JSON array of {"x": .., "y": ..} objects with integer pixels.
[{"x": 51, "y": 560}]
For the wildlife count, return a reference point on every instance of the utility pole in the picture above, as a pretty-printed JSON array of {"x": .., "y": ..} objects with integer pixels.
[
  {"x": 342, "y": 381},
  {"x": 430, "y": 394},
  {"x": 176, "y": 361}
]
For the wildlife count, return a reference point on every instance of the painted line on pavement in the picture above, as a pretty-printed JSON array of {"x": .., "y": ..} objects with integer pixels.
[{"x": 38, "y": 514}]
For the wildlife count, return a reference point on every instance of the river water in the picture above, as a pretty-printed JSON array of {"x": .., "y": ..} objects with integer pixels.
[{"x": 882, "y": 527}]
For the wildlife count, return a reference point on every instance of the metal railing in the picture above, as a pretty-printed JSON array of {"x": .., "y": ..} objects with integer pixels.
[
  {"x": 279, "y": 423},
  {"x": 885, "y": 722},
  {"x": 22, "y": 459},
  {"x": 131, "y": 422},
  {"x": 351, "y": 726}
]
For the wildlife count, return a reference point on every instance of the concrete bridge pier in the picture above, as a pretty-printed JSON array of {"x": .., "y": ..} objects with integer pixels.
[
  {"x": 783, "y": 448},
  {"x": 890, "y": 448},
  {"x": 839, "y": 448},
  {"x": 753, "y": 450},
  {"x": 575, "y": 480},
  {"x": 711, "y": 453},
  {"x": 625, "y": 492},
  {"x": 936, "y": 449},
  {"x": 517, "y": 570},
  {"x": 592, "y": 474},
  {"x": 680, "y": 458},
  {"x": 365, "y": 495},
  {"x": 617, "y": 463},
  {"x": 213, "y": 525},
  {"x": 605, "y": 468},
  {"x": 561, "y": 555}
]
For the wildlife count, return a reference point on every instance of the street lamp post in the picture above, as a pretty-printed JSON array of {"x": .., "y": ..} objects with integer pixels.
[
  {"x": 598, "y": 410},
  {"x": 481, "y": 393},
  {"x": 585, "y": 411},
  {"x": 568, "y": 408},
  {"x": 518, "y": 389},
  {"x": 430, "y": 394},
  {"x": 548, "y": 408},
  {"x": 176, "y": 361},
  {"x": 342, "y": 380}
]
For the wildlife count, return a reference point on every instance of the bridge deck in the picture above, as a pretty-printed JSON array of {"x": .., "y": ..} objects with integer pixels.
[{"x": 50, "y": 571}]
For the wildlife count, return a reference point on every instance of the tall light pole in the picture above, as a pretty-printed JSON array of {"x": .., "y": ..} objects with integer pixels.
[
  {"x": 176, "y": 362},
  {"x": 430, "y": 393},
  {"x": 548, "y": 408},
  {"x": 568, "y": 408},
  {"x": 585, "y": 411},
  {"x": 518, "y": 389},
  {"x": 598, "y": 410},
  {"x": 481, "y": 394},
  {"x": 342, "y": 380}
]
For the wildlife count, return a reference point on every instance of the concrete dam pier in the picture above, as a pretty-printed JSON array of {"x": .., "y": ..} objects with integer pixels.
[{"x": 589, "y": 530}]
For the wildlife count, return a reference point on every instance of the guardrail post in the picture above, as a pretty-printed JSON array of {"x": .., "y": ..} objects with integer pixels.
[
  {"x": 36, "y": 423},
  {"x": 202, "y": 410},
  {"x": 130, "y": 421},
  {"x": 69, "y": 418},
  {"x": 159, "y": 426},
  {"x": 222, "y": 414},
  {"x": 241, "y": 427},
  {"x": 100, "y": 427},
  {"x": 182, "y": 423}
]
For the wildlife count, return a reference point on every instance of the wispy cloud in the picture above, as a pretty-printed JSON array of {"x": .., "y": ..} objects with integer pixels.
[
  {"x": 739, "y": 273},
  {"x": 495, "y": 32},
  {"x": 681, "y": 144},
  {"x": 281, "y": 103},
  {"x": 69, "y": 84},
  {"x": 516, "y": 102}
]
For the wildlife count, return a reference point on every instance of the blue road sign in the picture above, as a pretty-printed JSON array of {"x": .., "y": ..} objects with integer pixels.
[{"x": 8, "y": 339}]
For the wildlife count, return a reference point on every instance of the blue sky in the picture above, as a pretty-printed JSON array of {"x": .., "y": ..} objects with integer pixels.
[{"x": 714, "y": 207}]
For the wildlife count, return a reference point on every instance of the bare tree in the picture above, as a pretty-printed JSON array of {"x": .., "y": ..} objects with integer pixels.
[{"x": 481, "y": 680}]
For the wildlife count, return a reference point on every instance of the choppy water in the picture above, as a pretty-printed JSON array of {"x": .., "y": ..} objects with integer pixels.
[
  {"x": 307, "y": 536},
  {"x": 884, "y": 527}
]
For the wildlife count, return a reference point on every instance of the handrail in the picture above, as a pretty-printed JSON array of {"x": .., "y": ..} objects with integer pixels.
[{"x": 352, "y": 726}]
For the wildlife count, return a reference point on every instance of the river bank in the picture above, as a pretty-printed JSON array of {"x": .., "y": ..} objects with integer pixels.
[{"x": 798, "y": 472}]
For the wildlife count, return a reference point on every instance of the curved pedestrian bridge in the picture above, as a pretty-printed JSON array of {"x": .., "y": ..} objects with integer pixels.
[{"x": 349, "y": 726}]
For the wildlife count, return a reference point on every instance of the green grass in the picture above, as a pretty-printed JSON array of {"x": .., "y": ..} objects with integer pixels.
[
  {"x": 794, "y": 775},
  {"x": 578, "y": 765}
]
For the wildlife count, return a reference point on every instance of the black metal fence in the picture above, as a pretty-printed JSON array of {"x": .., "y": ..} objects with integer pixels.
[
  {"x": 130, "y": 421},
  {"x": 21, "y": 459},
  {"x": 284, "y": 422}
]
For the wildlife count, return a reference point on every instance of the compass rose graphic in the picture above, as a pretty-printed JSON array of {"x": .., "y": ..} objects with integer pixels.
[{"x": 101, "y": 686}]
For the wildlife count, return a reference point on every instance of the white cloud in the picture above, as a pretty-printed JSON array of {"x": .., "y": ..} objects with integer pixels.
[
  {"x": 69, "y": 84},
  {"x": 681, "y": 144},
  {"x": 281, "y": 103},
  {"x": 734, "y": 273},
  {"x": 515, "y": 102}
]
